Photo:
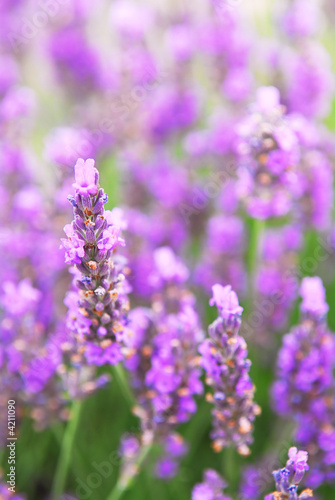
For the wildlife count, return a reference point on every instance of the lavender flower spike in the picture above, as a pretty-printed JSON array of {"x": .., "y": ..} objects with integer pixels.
[
  {"x": 304, "y": 389},
  {"x": 288, "y": 478},
  {"x": 224, "y": 358},
  {"x": 211, "y": 488},
  {"x": 98, "y": 304}
]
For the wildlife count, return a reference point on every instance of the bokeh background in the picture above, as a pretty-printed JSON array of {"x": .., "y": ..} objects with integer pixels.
[{"x": 153, "y": 92}]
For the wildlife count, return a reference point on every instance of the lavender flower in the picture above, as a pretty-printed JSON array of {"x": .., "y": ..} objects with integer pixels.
[
  {"x": 211, "y": 488},
  {"x": 276, "y": 282},
  {"x": 98, "y": 304},
  {"x": 306, "y": 360},
  {"x": 301, "y": 19},
  {"x": 7, "y": 490},
  {"x": 288, "y": 478},
  {"x": 76, "y": 62},
  {"x": 32, "y": 345},
  {"x": 305, "y": 385},
  {"x": 310, "y": 81},
  {"x": 268, "y": 151},
  {"x": 224, "y": 358},
  {"x": 254, "y": 480},
  {"x": 164, "y": 369}
]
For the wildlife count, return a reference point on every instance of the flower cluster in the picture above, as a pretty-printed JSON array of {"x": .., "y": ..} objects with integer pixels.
[
  {"x": 164, "y": 371},
  {"x": 269, "y": 153},
  {"x": 302, "y": 64},
  {"x": 288, "y": 479},
  {"x": 98, "y": 305},
  {"x": 224, "y": 358},
  {"x": 276, "y": 283},
  {"x": 305, "y": 385}
]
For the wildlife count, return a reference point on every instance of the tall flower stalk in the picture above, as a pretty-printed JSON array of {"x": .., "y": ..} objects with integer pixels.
[
  {"x": 98, "y": 304},
  {"x": 164, "y": 371},
  {"x": 224, "y": 358}
]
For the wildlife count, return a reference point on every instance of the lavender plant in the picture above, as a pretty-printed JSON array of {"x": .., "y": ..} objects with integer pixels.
[
  {"x": 212, "y": 125},
  {"x": 305, "y": 385},
  {"x": 164, "y": 371},
  {"x": 224, "y": 358},
  {"x": 98, "y": 304}
]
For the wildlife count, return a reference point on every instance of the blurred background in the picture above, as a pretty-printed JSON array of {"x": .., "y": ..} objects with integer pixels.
[{"x": 159, "y": 94}]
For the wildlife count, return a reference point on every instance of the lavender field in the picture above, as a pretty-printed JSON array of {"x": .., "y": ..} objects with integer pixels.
[{"x": 167, "y": 246}]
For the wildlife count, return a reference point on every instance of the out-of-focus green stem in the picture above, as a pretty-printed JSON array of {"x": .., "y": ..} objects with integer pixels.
[
  {"x": 228, "y": 465},
  {"x": 123, "y": 485},
  {"x": 121, "y": 378},
  {"x": 254, "y": 249},
  {"x": 65, "y": 452}
]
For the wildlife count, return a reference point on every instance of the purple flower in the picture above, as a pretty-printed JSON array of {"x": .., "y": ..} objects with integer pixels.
[
  {"x": 64, "y": 144},
  {"x": 73, "y": 245},
  {"x": 110, "y": 239},
  {"x": 270, "y": 158},
  {"x": 226, "y": 301},
  {"x": 310, "y": 81},
  {"x": 298, "y": 460},
  {"x": 21, "y": 298},
  {"x": 313, "y": 297},
  {"x": 254, "y": 481},
  {"x": 98, "y": 305},
  {"x": 130, "y": 446},
  {"x": 224, "y": 358},
  {"x": 211, "y": 488},
  {"x": 301, "y": 19},
  {"x": 166, "y": 468},
  {"x": 268, "y": 99},
  {"x": 5, "y": 492},
  {"x": 129, "y": 19},
  {"x": 276, "y": 282},
  {"x": 223, "y": 251},
  {"x": 288, "y": 478},
  {"x": 304, "y": 388},
  {"x": 164, "y": 370},
  {"x": 203, "y": 492},
  {"x": 87, "y": 177},
  {"x": 77, "y": 63}
]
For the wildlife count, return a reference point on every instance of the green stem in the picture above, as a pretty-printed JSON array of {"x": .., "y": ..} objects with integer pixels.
[
  {"x": 228, "y": 465},
  {"x": 254, "y": 249},
  {"x": 123, "y": 485},
  {"x": 196, "y": 428},
  {"x": 121, "y": 378},
  {"x": 281, "y": 437},
  {"x": 65, "y": 452}
]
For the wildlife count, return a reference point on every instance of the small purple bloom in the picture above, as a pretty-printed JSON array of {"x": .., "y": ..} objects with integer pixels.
[
  {"x": 166, "y": 468},
  {"x": 288, "y": 478},
  {"x": 87, "y": 177},
  {"x": 226, "y": 301},
  {"x": 110, "y": 239},
  {"x": 211, "y": 488},
  {"x": 313, "y": 296}
]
